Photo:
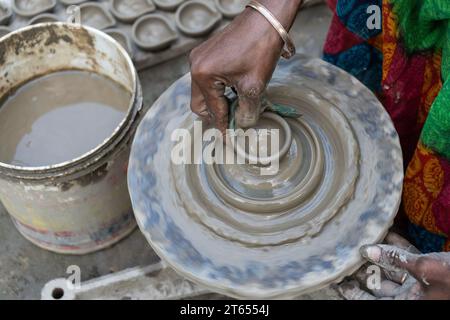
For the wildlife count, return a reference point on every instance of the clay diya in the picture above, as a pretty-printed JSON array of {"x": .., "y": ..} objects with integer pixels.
[
  {"x": 5, "y": 14},
  {"x": 29, "y": 8},
  {"x": 268, "y": 121},
  {"x": 153, "y": 32},
  {"x": 129, "y": 10},
  {"x": 4, "y": 31},
  {"x": 72, "y": 2},
  {"x": 231, "y": 8},
  {"x": 196, "y": 18},
  {"x": 122, "y": 38},
  {"x": 169, "y": 5},
  {"x": 43, "y": 18},
  {"x": 96, "y": 16},
  {"x": 293, "y": 230}
]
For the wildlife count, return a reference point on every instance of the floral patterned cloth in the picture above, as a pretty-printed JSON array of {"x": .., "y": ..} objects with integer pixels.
[{"x": 405, "y": 64}]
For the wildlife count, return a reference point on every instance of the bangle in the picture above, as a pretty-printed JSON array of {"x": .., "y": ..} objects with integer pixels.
[{"x": 289, "y": 47}]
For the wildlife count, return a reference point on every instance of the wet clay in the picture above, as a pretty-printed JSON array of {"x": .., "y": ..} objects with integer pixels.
[
  {"x": 262, "y": 153},
  {"x": 314, "y": 180},
  {"x": 59, "y": 117}
]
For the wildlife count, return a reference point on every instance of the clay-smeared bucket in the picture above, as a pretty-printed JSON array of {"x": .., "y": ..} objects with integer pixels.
[{"x": 81, "y": 205}]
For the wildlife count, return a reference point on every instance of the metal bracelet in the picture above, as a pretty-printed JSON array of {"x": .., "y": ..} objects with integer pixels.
[{"x": 289, "y": 47}]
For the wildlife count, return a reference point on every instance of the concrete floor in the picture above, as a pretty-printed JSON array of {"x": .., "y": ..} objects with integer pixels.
[{"x": 24, "y": 268}]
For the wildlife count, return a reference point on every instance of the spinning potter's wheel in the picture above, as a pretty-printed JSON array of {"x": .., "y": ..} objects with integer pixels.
[{"x": 281, "y": 234}]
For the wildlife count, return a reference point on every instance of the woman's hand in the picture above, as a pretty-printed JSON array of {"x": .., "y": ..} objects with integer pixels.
[
  {"x": 242, "y": 56},
  {"x": 408, "y": 275}
]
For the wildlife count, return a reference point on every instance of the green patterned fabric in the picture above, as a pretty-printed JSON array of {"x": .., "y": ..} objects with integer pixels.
[
  {"x": 436, "y": 131},
  {"x": 425, "y": 25}
]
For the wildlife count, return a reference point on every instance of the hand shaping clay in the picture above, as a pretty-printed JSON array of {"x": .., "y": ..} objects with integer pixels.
[
  {"x": 153, "y": 32},
  {"x": 130, "y": 10},
  {"x": 29, "y": 8},
  {"x": 298, "y": 229},
  {"x": 196, "y": 18},
  {"x": 95, "y": 15}
]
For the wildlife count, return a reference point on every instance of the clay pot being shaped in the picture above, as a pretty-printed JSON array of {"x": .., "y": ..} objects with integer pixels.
[
  {"x": 153, "y": 32},
  {"x": 129, "y": 10},
  {"x": 29, "y": 8},
  {"x": 268, "y": 121},
  {"x": 196, "y": 18},
  {"x": 96, "y": 16}
]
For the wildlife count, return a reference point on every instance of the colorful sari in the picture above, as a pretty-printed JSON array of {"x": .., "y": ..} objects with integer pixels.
[{"x": 407, "y": 64}]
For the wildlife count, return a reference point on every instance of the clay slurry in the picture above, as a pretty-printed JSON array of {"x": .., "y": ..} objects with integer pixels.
[{"x": 59, "y": 117}]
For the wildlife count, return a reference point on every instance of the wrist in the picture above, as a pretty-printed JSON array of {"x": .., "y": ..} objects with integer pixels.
[
  {"x": 260, "y": 27},
  {"x": 287, "y": 16},
  {"x": 284, "y": 10}
]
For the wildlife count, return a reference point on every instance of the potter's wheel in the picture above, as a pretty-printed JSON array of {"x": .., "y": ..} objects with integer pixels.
[{"x": 244, "y": 234}]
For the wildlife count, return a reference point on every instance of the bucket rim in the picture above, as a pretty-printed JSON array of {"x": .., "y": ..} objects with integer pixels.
[{"x": 128, "y": 117}]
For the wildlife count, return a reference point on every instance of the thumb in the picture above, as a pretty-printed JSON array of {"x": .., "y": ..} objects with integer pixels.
[
  {"x": 249, "y": 106},
  {"x": 391, "y": 258},
  {"x": 247, "y": 112}
]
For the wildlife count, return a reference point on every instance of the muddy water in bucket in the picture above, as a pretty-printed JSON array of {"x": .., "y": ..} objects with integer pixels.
[
  {"x": 59, "y": 117},
  {"x": 71, "y": 101}
]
